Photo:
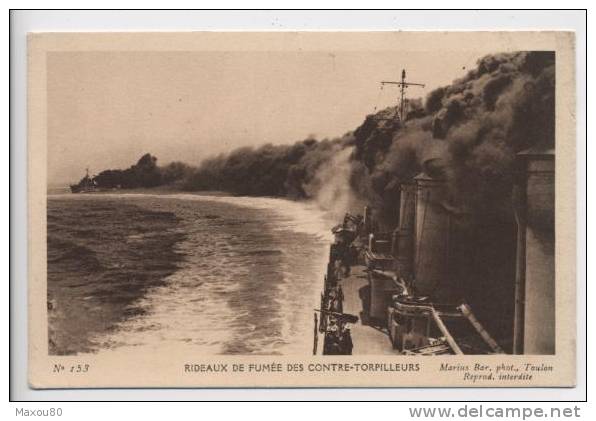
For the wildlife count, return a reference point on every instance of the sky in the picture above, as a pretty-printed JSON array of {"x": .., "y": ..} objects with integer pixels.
[{"x": 106, "y": 109}]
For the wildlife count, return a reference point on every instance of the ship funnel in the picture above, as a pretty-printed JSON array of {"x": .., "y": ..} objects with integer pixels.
[
  {"x": 433, "y": 234},
  {"x": 404, "y": 234}
]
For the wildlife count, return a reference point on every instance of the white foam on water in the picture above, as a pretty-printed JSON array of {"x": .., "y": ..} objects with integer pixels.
[
  {"x": 180, "y": 316},
  {"x": 302, "y": 216}
]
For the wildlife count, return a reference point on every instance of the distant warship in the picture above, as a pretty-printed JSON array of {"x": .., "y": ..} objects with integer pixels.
[{"x": 86, "y": 185}]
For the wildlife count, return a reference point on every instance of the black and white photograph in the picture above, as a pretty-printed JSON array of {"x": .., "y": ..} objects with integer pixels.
[
  {"x": 321, "y": 204},
  {"x": 427, "y": 227}
]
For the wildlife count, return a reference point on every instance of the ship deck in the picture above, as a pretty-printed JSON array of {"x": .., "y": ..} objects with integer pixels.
[{"x": 366, "y": 336}]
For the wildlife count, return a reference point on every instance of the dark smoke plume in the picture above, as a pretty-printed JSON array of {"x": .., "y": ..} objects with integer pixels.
[
  {"x": 468, "y": 135},
  {"x": 270, "y": 170},
  {"x": 474, "y": 127}
]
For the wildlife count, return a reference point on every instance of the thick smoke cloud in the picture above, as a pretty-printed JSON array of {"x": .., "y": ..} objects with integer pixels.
[
  {"x": 470, "y": 131},
  {"x": 270, "y": 170},
  {"x": 468, "y": 135},
  {"x": 145, "y": 173},
  {"x": 473, "y": 127}
]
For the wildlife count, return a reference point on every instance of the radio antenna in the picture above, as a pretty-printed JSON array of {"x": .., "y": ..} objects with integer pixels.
[{"x": 403, "y": 85}]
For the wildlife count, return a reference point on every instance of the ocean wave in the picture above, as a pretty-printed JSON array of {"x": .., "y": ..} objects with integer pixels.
[{"x": 248, "y": 279}]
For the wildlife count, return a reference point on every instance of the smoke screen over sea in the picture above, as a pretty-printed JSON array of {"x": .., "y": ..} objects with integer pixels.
[
  {"x": 467, "y": 134},
  {"x": 471, "y": 130},
  {"x": 252, "y": 265}
]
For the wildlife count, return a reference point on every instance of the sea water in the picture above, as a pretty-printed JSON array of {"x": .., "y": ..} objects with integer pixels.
[{"x": 207, "y": 274}]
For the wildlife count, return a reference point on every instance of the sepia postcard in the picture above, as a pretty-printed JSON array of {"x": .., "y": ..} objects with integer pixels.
[{"x": 301, "y": 209}]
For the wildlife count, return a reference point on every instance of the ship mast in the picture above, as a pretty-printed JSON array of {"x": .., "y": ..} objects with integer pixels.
[{"x": 403, "y": 85}]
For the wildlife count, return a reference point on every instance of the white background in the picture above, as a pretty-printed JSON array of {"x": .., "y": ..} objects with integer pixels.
[{"x": 23, "y": 22}]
